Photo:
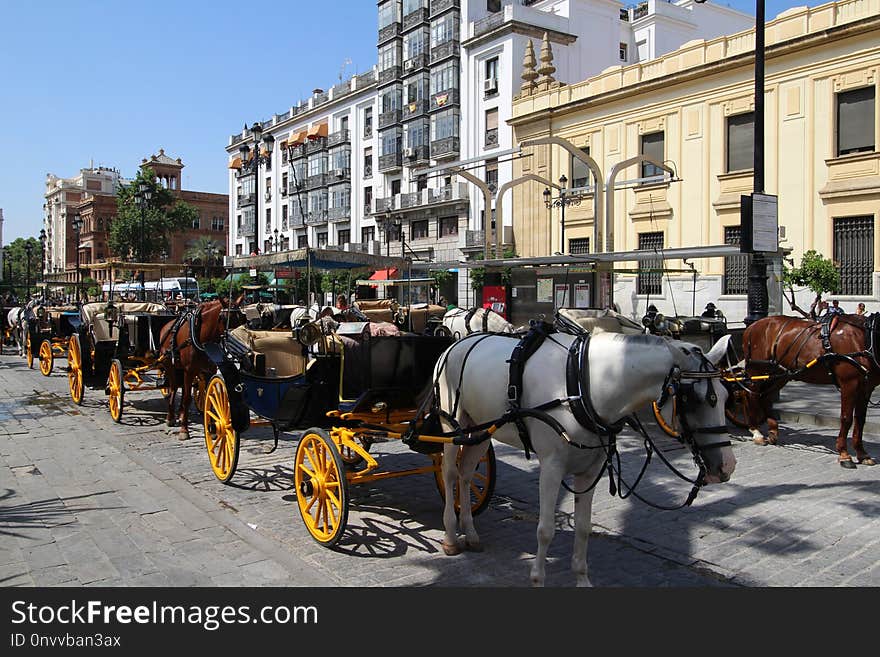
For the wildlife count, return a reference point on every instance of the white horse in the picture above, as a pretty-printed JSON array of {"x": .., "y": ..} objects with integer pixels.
[
  {"x": 15, "y": 321},
  {"x": 461, "y": 322},
  {"x": 628, "y": 372}
]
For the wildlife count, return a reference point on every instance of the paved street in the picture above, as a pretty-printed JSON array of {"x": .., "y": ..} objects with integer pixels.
[{"x": 85, "y": 501}]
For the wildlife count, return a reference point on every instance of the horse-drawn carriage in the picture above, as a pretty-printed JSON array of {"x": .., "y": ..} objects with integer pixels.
[
  {"x": 421, "y": 318},
  {"x": 116, "y": 345},
  {"x": 50, "y": 327}
]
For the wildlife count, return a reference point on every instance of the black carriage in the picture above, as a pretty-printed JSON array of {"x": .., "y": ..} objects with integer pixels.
[
  {"x": 47, "y": 333},
  {"x": 116, "y": 347}
]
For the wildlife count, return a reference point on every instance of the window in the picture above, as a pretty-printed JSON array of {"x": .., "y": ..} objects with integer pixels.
[
  {"x": 491, "y": 80},
  {"x": 448, "y": 226},
  {"x": 444, "y": 124},
  {"x": 343, "y": 123},
  {"x": 196, "y": 222},
  {"x": 217, "y": 223},
  {"x": 444, "y": 29},
  {"x": 368, "y": 234},
  {"x": 417, "y": 89},
  {"x": 368, "y": 199},
  {"x": 419, "y": 229},
  {"x": 340, "y": 196},
  {"x": 415, "y": 43},
  {"x": 238, "y": 249},
  {"x": 652, "y": 146},
  {"x": 391, "y": 141},
  {"x": 621, "y": 51},
  {"x": 343, "y": 237},
  {"x": 741, "y": 142},
  {"x": 390, "y": 100},
  {"x": 302, "y": 241},
  {"x": 340, "y": 158},
  {"x": 492, "y": 174},
  {"x": 854, "y": 253},
  {"x": 421, "y": 182},
  {"x": 444, "y": 77},
  {"x": 650, "y": 282},
  {"x": 580, "y": 172},
  {"x": 317, "y": 164},
  {"x": 417, "y": 133},
  {"x": 736, "y": 268},
  {"x": 268, "y": 218},
  {"x": 368, "y": 122},
  {"x": 855, "y": 121},
  {"x": 493, "y": 5},
  {"x": 284, "y": 216},
  {"x": 389, "y": 56},
  {"x": 409, "y": 6},
  {"x": 492, "y": 127},
  {"x": 322, "y": 240},
  {"x": 579, "y": 246},
  {"x": 395, "y": 187},
  {"x": 368, "y": 162},
  {"x": 389, "y": 13}
]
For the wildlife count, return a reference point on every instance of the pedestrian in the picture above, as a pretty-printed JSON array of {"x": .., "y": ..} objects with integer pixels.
[
  {"x": 710, "y": 312},
  {"x": 861, "y": 309}
]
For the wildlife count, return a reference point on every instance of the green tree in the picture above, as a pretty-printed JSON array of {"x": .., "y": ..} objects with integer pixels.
[
  {"x": 16, "y": 259},
  {"x": 150, "y": 227},
  {"x": 205, "y": 251},
  {"x": 816, "y": 273}
]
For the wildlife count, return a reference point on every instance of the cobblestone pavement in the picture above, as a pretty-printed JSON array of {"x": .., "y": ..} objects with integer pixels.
[{"x": 85, "y": 501}]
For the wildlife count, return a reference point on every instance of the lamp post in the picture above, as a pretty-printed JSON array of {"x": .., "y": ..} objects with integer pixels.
[
  {"x": 77, "y": 224},
  {"x": 252, "y": 165},
  {"x": 43, "y": 259},
  {"x": 28, "y": 248},
  {"x": 561, "y": 201},
  {"x": 143, "y": 196},
  {"x": 277, "y": 242},
  {"x": 8, "y": 264}
]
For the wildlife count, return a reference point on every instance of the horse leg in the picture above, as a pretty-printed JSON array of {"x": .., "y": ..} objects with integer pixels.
[
  {"x": 861, "y": 412},
  {"x": 171, "y": 381},
  {"x": 450, "y": 521},
  {"x": 470, "y": 458},
  {"x": 583, "y": 518},
  {"x": 185, "y": 399},
  {"x": 849, "y": 394},
  {"x": 549, "y": 481}
]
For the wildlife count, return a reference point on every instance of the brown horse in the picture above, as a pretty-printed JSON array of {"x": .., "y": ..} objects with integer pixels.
[
  {"x": 791, "y": 349},
  {"x": 180, "y": 348}
]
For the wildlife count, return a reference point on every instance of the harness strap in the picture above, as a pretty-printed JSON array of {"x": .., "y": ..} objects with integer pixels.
[{"x": 467, "y": 319}]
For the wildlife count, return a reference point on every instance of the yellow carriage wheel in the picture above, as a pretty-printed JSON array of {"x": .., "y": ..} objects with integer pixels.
[
  {"x": 75, "y": 369},
  {"x": 116, "y": 389},
  {"x": 321, "y": 487},
  {"x": 29, "y": 350},
  {"x": 47, "y": 359},
  {"x": 482, "y": 485},
  {"x": 198, "y": 392},
  {"x": 221, "y": 439}
]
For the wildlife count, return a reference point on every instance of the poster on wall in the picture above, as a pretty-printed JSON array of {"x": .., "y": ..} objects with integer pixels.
[
  {"x": 563, "y": 298},
  {"x": 545, "y": 290},
  {"x": 581, "y": 295}
]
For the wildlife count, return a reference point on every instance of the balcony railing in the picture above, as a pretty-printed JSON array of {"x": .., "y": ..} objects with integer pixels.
[
  {"x": 368, "y": 131},
  {"x": 422, "y": 198},
  {"x": 445, "y": 147},
  {"x": 491, "y": 138},
  {"x": 439, "y": 6},
  {"x": 384, "y": 204},
  {"x": 296, "y": 221},
  {"x": 246, "y": 230},
  {"x": 316, "y": 145},
  {"x": 444, "y": 50},
  {"x": 416, "y": 154},
  {"x": 420, "y": 15},
  {"x": 474, "y": 239},
  {"x": 339, "y": 214},
  {"x": 246, "y": 199},
  {"x": 338, "y": 175},
  {"x": 372, "y": 246},
  {"x": 390, "y": 161},
  {"x": 368, "y": 171},
  {"x": 640, "y": 11},
  {"x": 389, "y": 74},
  {"x": 316, "y": 218},
  {"x": 457, "y": 192},
  {"x": 488, "y": 24},
  {"x": 298, "y": 152},
  {"x": 389, "y": 118},
  {"x": 318, "y": 180},
  {"x": 389, "y": 32},
  {"x": 415, "y": 108},
  {"x": 444, "y": 99},
  {"x": 341, "y": 137}
]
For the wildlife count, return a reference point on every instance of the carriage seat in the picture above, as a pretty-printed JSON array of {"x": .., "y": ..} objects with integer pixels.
[
  {"x": 596, "y": 320},
  {"x": 93, "y": 315},
  {"x": 421, "y": 314},
  {"x": 273, "y": 349}
]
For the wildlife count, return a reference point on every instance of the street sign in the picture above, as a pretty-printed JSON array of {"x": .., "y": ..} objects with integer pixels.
[{"x": 759, "y": 220}]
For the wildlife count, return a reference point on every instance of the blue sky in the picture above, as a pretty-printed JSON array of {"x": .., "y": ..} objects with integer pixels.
[{"x": 111, "y": 82}]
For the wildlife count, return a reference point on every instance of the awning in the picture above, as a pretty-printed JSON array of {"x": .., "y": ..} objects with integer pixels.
[
  {"x": 384, "y": 274},
  {"x": 235, "y": 164},
  {"x": 297, "y": 138},
  {"x": 317, "y": 131}
]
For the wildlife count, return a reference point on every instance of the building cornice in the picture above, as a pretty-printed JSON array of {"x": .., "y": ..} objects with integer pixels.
[
  {"x": 518, "y": 27},
  {"x": 777, "y": 50}
]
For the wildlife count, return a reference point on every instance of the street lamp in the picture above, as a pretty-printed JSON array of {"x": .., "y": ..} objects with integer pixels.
[
  {"x": 277, "y": 241},
  {"x": 43, "y": 259},
  {"x": 252, "y": 165},
  {"x": 77, "y": 224},
  {"x": 561, "y": 202},
  {"x": 8, "y": 263},
  {"x": 28, "y": 247},
  {"x": 143, "y": 196}
]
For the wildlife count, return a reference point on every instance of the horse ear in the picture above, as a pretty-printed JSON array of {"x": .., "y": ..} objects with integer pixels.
[{"x": 719, "y": 350}]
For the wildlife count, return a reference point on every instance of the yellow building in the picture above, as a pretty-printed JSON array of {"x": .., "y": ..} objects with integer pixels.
[{"x": 694, "y": 110}]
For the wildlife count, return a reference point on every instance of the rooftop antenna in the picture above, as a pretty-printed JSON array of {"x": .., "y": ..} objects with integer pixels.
[{"x": 347, "y": 62}]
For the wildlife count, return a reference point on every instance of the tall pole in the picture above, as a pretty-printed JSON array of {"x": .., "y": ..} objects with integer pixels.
[{"x": 27, "y": 256}]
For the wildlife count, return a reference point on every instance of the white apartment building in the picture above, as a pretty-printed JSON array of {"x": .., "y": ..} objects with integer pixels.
[
  {"x": 62, "y": 193},
  {"x": 317, "y": 188}
]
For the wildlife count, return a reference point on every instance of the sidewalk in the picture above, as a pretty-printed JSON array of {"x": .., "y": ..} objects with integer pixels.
[{"x": 819, "y": 406}]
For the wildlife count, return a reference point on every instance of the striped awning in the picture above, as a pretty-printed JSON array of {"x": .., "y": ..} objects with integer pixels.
[
  {"x": 235, "y": 163},
  {"x": 319, "y": 130},
  {"x": 297, "y": 138}
]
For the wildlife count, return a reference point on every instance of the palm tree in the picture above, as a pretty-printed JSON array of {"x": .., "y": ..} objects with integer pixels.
[{"x": 204, "y": 251}]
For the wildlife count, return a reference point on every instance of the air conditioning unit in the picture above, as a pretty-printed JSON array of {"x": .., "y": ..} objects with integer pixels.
[
  {"x": 490, "y": 85},
  {"x": 409, "y": 64},
  {"x": 339, "y": 173},
  {"x": 268, "y": 196},
  {"x": 409, "y": 153}
]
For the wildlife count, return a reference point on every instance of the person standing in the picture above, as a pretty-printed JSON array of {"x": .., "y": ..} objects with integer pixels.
[{"x": 861, "y": 309}]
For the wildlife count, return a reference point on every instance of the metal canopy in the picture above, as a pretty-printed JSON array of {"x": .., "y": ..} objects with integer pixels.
[{"x": 318, "y": 259}]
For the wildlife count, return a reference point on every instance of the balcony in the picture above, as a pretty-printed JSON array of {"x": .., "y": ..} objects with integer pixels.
[
  {"x": 246, "y": 230},
  {"x": 444, "y": 99},
  {"x": 640, "y": 11},
  {"x": 416, "y": 154},
  {"x": 439, "y": 6},
  {"x": 415, "y": 109},
  {"x": 390, "y": 162},
  {"x": 368, "y": 170},
  {"x": 415, "y": 64},
  {"x": 335, "y": 176},
  {"x": 384, "y": 205},
  {"x": 316, "y": 145},
  {"x": 456, "y": 193},
  {"x": 485, "y": 25},
  {"x": 474, "y": 239},
  {"x": 390, "y": 74},
  {"x": 491, "y": 138},
  {"x": 389, "y": 32},
  {"x": 372, "y": 246},
  {"x": 341, "y": 137},
  {"x": 368, "y": 132},
  {"x": 246, "y": 199},
  {"x": 298, "y": 152},
  {"x": 414, "y": 18},
  {"x": 389, "y": 118},
  {"x": 296, "y": 221},
  {"x": 316, "y": 218},
  {"x": 444, "y": 51},
  {"x": 318, "y": 180},
  {"x": 339, "y": 214}
]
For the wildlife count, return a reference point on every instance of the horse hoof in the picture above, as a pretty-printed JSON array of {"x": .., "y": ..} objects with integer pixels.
[
  {"x": 848, "y": 464},
  {"x": 451, "y": 550},
  {"x": 867, "y": 460},
  {"x": 772, "y": 439},
  {"x": 759, "y": 440},
  {"x": 183, "y": 435},
  {"x": 473, "y": 547}
]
